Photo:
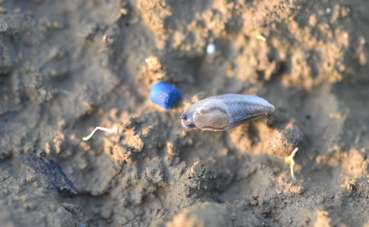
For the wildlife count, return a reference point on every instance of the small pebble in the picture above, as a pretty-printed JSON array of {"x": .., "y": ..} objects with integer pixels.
[
  {"x": 165, "y": 95},
  {"x": 210, "y": 48}
]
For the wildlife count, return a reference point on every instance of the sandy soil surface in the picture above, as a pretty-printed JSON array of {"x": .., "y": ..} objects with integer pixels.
[{"x": 68, "y": 66}]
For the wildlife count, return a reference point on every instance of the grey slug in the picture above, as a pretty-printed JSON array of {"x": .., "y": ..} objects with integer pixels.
[{"x": 222, "y": 112}]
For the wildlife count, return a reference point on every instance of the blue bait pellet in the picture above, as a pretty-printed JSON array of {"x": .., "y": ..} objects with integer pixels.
[{"x": 165, "y": 95}]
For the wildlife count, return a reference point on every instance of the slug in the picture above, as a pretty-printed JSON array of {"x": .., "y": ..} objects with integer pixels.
[{"x": 219, "y": 113}]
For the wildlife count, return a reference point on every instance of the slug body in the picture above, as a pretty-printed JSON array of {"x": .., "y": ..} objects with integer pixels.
[
  {"x": 165, "y": 95},
  {"x": 218, "y": 113}
]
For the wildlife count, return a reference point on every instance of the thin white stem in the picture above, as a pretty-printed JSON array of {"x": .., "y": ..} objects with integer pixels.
[
  {"x": 112, "y": 130},
  {"x": 291, "y": 160},
  {"x": 260, "y": 37}
]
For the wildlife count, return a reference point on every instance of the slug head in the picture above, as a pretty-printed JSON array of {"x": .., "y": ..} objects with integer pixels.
[{"x": 187, "y": 120}]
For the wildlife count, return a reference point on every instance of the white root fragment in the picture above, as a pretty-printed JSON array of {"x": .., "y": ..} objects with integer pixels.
[
  {"x": 112, "y": 130},
  {"x": 291, "y": 161},
  {"x": 260, "y": 37}
]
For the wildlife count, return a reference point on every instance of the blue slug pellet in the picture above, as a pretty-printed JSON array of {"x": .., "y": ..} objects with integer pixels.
[{"x": 165, "y": 95}]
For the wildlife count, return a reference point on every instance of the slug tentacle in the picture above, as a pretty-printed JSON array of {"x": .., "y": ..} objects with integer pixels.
[{"x": 222, "y": 112}]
